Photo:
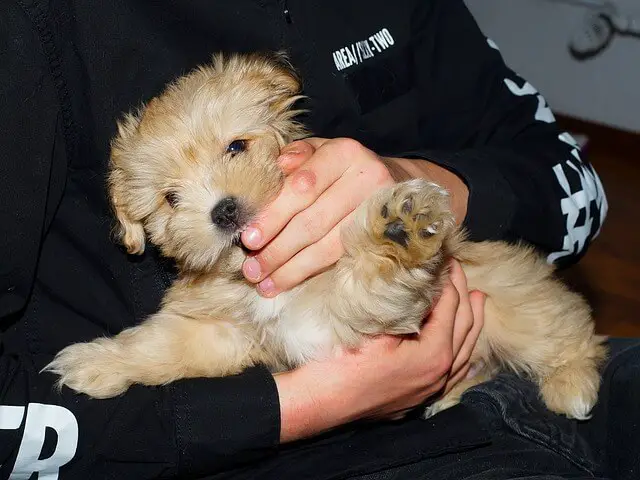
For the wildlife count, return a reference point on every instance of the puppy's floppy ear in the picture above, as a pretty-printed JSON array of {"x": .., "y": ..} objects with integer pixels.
[{"x": 130, "y": 230}]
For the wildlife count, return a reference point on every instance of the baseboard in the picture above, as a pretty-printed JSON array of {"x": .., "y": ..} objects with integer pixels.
[{"x": 602, "y": 137}]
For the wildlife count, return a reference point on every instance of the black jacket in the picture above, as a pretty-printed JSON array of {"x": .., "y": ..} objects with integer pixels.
[{"x": 407, "y": 78}]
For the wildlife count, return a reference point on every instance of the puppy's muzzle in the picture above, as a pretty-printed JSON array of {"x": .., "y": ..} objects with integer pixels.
[{"x": 226, "y": 214}]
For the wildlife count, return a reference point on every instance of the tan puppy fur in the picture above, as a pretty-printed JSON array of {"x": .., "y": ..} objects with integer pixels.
[{"x": 215, "y": 134}]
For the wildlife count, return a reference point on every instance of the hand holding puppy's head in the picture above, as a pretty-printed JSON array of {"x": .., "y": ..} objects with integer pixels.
[{"x": 192, "y": 167}]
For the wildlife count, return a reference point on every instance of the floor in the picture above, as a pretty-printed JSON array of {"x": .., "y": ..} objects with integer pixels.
[{"x": 609, "y": 274}]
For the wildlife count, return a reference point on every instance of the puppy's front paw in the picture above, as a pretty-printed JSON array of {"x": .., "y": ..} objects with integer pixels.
[
  {"x": 411, "y": 220},
  {"x": 91, "y": 368}
]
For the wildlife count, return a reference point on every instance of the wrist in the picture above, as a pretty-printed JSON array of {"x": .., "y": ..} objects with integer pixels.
[{"x": 307, "y": 405}]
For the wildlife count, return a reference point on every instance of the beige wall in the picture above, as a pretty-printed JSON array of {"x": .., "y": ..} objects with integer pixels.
[{"x": 533, "y": 36}]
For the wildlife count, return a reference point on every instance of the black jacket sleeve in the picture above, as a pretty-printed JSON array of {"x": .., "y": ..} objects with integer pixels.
[
  {"x": 189, "y": 427},
  {"x": 526, "y": 178}
]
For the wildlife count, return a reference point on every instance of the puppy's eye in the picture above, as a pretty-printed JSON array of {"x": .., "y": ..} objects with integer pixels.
[
  {"x": 236, "y": 147},
  {"x": 171, "y": 198}
]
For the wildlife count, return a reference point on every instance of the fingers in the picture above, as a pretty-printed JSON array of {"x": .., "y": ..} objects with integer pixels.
[
  {"x": 310, "y": 261},
  {"x": 456, "y": 378},
  {"x": 464, "y": 315},
  {"x": 477, "y": 302},
  {"x": 294, "y": 155},
  {"x": 320, "y": 194},
  {"x": 439, "y": 327},
  {"x": 310, "y": 231},
  {"x": 301, "y": 189},
  {"x": 453, "y": 327},
  {"x": 328, "y": 161},
  {"x": 436, "y": 338},
  {"x": 302, "y": 186}
]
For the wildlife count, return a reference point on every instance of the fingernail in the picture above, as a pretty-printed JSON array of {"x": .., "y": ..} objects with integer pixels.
[
  {"x": 286, "y": 160},
  {"x": 252, "y": 237},
  {"x": 478, "y": 293},
  {"x": 267, "y": 287},
  {"x": 289, "y": 151},
  {"x": 251, "y": 269}
]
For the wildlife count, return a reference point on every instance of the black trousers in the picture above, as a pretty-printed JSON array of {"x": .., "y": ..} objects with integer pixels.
[{"x": 500, "y": 431}]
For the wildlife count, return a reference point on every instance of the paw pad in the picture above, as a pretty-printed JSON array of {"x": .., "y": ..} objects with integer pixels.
[
  {"x": 413, "y": 212},
  {"x": 396, "y": 232}
]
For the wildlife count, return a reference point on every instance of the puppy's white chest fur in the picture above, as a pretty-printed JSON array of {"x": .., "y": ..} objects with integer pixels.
[
  {"x": 266, "y": 309},
  {"x": 301, "y": 332}
]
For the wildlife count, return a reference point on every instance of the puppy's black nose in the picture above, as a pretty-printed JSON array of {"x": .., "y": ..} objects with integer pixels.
[{"x": 225, "y": 214}]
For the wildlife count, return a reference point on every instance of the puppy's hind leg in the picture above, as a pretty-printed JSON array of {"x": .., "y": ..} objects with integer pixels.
[
  {"x": 535, "y": 326},
  {"x": 572, "y": 389},
  {"x": 164, "y": 348}
]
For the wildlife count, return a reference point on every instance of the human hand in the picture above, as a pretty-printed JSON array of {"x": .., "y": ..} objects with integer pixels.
[
  {"x": 347, "y": 387},
  {"x": 298, "y": 235}
]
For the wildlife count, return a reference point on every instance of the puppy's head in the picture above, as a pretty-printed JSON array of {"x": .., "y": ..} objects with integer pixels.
[{"x": 193, "y": 166}]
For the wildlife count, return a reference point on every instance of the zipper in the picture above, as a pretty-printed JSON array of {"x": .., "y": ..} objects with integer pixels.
[{"x": 286, "y": 12}]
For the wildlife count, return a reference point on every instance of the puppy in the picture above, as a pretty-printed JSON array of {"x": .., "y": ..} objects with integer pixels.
[{"x": 194, "y": 167}]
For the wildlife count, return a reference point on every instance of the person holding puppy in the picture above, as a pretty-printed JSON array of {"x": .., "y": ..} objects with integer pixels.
[{"x": 411, "y": 90}]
